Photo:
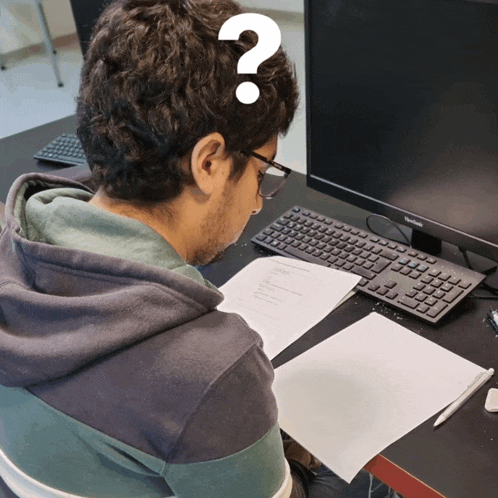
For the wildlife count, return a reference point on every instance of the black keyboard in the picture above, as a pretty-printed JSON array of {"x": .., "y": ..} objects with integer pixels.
[
  {"x": 65, "y": 150},
  {"x": 418, "y": 283}
]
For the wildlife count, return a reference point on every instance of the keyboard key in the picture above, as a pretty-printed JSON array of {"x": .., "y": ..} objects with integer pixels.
[
  {"x": 379, "y": 266},
  {"x": 423, "y": 308},
  {"x": 299, "y": 254},
  {"x": 436, "y": 309},
  {"x": 452, "y": 295},
  {"x": 389, "y": 255},
  {"x": 363, "y": 272},
  {"x": 410, "y": 303}
]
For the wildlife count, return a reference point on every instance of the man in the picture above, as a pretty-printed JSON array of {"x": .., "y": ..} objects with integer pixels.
[{"x": 119, "y": 376}]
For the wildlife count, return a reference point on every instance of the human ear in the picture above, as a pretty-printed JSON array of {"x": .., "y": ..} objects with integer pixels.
[{"x": 208, "y": 162}]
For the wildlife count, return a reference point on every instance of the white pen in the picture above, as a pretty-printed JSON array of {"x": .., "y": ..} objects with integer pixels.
[{"x": 479, "y": 381}]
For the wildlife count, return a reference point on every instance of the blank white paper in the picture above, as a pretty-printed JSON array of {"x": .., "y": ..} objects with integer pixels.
[
  {"x": 282, "y": 298},
  {"x": 354, "y": 394}
]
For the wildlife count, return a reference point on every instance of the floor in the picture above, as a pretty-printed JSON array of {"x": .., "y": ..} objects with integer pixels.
[{"x": 29, "y": 95}]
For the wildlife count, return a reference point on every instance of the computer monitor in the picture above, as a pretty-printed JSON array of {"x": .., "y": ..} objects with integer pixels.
[
  {"x": 402, "y": 112},
  {"x": 86, "y": 13}
]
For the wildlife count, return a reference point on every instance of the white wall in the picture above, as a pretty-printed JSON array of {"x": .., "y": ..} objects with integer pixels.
[{"x": 292, "y": 148}]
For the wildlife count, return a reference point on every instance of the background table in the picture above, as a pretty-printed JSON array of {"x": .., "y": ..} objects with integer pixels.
[{"x": 460, "y": 458}]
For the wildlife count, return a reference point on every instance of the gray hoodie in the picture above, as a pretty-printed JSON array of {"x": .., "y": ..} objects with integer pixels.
[{"x": 119, "y": 377}]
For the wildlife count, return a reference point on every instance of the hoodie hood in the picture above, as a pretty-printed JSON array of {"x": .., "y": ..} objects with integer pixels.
[{"x": 63, "y": 308}]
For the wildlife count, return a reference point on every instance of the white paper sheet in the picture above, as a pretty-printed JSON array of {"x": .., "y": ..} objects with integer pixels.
[
  {"x": 351, "y": 396},
  {"x": 282, "y": 298}
]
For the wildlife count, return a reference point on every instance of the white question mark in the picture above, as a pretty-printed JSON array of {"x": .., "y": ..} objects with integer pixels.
[{"x": 269, "y": 39}]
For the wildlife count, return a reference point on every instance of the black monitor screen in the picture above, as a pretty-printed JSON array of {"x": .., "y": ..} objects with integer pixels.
[{"x": 403, "y": 112}]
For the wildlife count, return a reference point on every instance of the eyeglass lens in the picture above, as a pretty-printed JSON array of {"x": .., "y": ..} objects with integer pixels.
[{"x": 272, "y": 181}]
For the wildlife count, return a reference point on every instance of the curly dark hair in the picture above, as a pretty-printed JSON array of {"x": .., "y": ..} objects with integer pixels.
[{"x": 156, "y": 79}]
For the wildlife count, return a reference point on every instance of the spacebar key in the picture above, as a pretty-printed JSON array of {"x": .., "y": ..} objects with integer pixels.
[{"x": 305, "y": 256}]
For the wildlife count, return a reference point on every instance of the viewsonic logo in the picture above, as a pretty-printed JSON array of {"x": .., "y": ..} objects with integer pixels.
[{"x": 414, "y": 222}]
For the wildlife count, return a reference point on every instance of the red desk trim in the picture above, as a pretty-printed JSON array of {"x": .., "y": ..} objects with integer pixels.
[{"x": 400, "y": 480}]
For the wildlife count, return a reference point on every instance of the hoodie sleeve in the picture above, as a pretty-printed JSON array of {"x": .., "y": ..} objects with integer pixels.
[{"x": 231, "y": 445}]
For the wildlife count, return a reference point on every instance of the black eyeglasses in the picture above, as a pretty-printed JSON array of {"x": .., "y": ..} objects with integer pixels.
[{"x": 273, "y": 179}]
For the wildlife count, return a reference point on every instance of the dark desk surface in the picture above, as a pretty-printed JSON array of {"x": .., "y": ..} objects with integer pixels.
[{"x": 460, "y": 458}]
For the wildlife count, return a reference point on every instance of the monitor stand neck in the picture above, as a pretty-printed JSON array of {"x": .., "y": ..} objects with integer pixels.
[{"x": 427, "y": 243}]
